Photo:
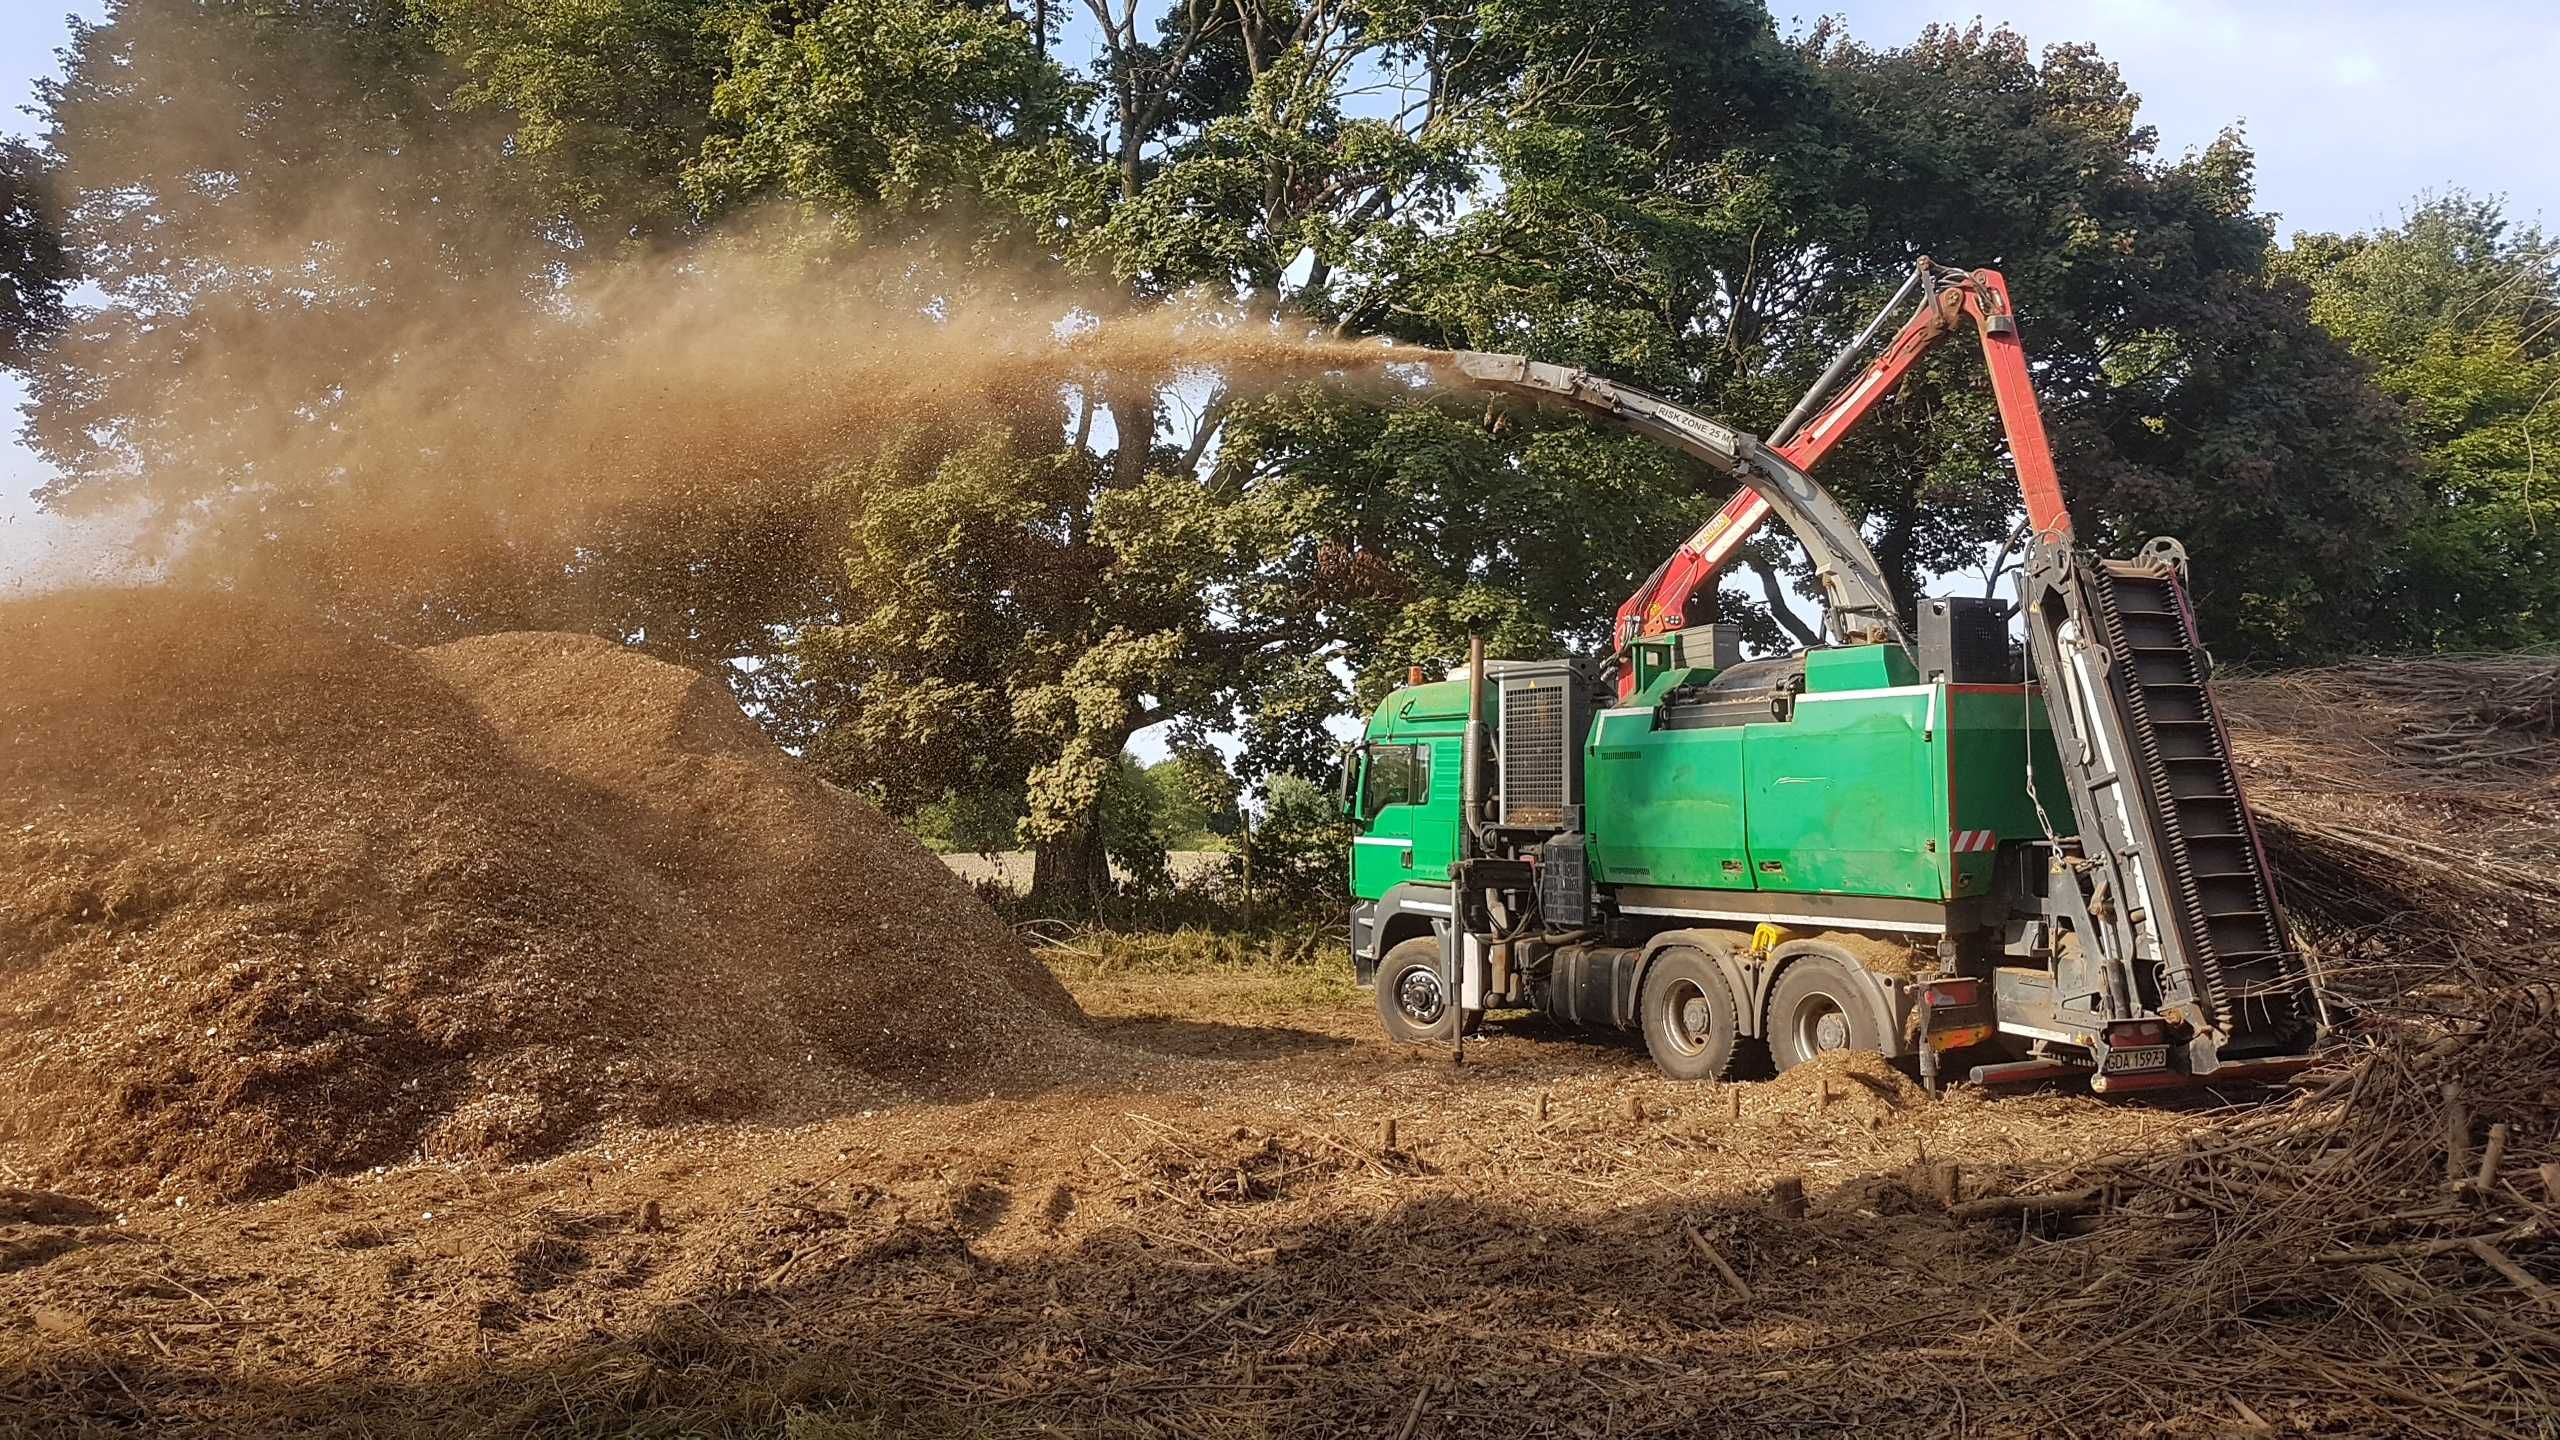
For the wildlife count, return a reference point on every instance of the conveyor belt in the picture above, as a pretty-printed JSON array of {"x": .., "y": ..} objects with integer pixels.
[{"x": 2209, "y": 867}]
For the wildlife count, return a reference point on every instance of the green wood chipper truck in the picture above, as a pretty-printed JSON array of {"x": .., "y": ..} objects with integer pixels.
[{"x": 2020, "y": 859}]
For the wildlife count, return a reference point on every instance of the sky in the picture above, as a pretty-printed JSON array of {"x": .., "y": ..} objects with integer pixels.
[
  {"x": 35, "y": 548},
  {"x": 2354, "y": 107}
]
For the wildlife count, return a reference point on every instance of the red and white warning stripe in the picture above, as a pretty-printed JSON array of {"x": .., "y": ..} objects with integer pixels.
[{"x": 1968, "y": 841}]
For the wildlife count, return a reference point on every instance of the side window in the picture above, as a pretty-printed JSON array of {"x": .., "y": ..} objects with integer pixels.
[{"x": 1395, "y": 775}]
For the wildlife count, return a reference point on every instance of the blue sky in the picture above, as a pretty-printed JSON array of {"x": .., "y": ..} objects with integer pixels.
[{"x": 2353, "y": 108}]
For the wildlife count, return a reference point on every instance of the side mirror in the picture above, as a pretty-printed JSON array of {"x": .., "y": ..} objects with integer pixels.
[{"x": 1346, "y": 786}]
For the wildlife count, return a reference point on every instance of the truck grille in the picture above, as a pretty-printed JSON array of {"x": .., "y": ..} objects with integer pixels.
[{"x": 1534, "y": 756}]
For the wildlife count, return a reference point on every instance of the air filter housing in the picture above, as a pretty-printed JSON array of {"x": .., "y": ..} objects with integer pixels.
[{"x": 1542, "y": 711}]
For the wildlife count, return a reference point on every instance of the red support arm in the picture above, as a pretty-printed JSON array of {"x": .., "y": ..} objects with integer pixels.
[
  {"x": 1987, "y": 301},
  {"x": 1662, "y": 604},
  {"x": 1826, "y": 430}
]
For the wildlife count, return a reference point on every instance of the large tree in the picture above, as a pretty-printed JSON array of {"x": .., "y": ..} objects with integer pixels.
[
  {"x": 2458, "y": 310},
  {"x": 1722, "y": 252},
  {"x": 265, "y": 196}
]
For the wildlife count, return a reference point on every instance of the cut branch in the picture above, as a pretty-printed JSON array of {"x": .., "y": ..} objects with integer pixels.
[{"x": 1779, "y": 610}]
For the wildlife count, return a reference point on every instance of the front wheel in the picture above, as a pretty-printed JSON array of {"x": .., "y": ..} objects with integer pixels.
[
  {"x": 1692, "y": 1027},
  {"x": 1413, "y": 995}
]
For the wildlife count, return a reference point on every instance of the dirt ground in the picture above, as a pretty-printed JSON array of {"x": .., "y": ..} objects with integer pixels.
[
  {"x": 1224, "y": 1240},
  {"x": 504, "y": 1039}
]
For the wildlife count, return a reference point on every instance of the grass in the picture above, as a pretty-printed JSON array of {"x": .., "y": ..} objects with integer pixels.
[{"x": 1301, "y": 966}]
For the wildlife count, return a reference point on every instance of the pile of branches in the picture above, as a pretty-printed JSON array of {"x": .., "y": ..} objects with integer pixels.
[
  {"x": 2411, "y": 807},
  {"x": 2404, "y": 1206},
  {"x": 2388, "y": 1234}
]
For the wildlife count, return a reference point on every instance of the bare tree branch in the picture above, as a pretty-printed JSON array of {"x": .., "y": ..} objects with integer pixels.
[{"x": 1779, "y": 609}]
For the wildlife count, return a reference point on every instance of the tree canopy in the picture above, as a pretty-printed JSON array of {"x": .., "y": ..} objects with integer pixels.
[
  {"x": 34, "y": 268},
  {"x": 2458, "y": 311},
  {"x": 972, "y": 608}
]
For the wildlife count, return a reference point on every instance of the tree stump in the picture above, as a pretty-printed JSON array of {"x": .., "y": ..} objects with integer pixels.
[{"x": 1946, "y": 1181}]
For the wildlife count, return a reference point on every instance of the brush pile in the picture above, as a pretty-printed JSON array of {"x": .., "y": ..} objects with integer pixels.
[
  {"x": 2389, "y": 1232},
  {"x": 2412, "y": 807}
]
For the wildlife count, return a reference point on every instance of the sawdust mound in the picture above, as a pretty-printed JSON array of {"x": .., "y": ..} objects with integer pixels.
[
  {"x": 1861, "y": 1083},
  {"x": 284, "y": 901}
]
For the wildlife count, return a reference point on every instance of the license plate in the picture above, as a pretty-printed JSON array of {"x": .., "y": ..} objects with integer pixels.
[{"x": 2136, "y": 1057}]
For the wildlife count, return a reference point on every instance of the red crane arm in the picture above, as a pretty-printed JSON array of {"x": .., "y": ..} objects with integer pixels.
[
  {"x": 1661, "y": 605},
  {"x": 1987, "y": 301}
]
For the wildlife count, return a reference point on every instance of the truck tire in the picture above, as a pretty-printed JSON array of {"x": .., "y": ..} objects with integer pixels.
[
  {"x": 1692, "y": 1027},
  {"x": 1818, "y": 1006},
  {"x": 1413, "y": 999}
]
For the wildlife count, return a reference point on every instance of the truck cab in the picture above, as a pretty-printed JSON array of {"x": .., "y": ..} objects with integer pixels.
[{"x": 1400, "y": 789}]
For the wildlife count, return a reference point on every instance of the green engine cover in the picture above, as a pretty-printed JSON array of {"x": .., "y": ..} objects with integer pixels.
[
  {"x": 1874, "y": 785},
  {"x": 1844, "y": 798}
]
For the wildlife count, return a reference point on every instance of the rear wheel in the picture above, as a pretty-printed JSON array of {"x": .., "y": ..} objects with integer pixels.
[
  {"x": 1413, "y": 994},
  {"x": 1692, "y": 1027},
  {"x": 1816, "y": 1007}
]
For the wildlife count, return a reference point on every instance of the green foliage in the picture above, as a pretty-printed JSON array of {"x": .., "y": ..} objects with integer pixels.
[
  {"x": 2458, "y": 311},
  {"x": 1187, "y": 800},
  {"x": 949, "y": 593},
  {"x": 204, "y": 151},
  {"x": 1131, "y": 839},
  {"x": 2185, "y": 393},
  {"x": 34, "y": 268},
  {"x": 979, "y": 822},
  {"x": 607, "y": 100},
  {"x": 280, "y": 206},
  {"x": 1008, "y": 618},
  {"x": 974, "y": 611},
  {"x": 1298, "y": 844},
  {"x": 872, "y": 110},
  {"x": 1967, "y": 145}
]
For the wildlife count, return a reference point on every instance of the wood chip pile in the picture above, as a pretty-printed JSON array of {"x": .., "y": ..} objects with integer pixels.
[{"x": 287, "y": 901}]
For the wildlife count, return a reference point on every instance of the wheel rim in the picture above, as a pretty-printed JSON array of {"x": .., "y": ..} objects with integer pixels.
[
  {"x": 1419, "y": 997},
  {"x": 1688, "y": 1022},
  {"x": 1820, "y": 1025}
]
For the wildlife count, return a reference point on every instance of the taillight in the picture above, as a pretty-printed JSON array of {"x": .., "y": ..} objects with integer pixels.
[
  {"x": 1945, "y": 993},
  {"x": 2137, "y": 1032}
]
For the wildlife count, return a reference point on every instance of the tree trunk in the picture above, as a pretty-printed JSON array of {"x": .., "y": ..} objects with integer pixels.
[
  {"x": 1893, "y": 554},
  {"x": 1133, "y": 414},
  {"x": 1071, "y": 875}
]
